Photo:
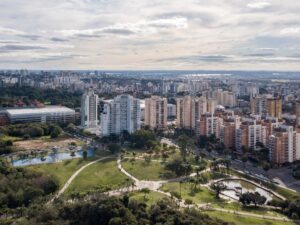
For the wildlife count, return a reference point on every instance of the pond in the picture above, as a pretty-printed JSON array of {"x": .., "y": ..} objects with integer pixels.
[
  {"x": 236, "y": 187},
  {"x": 51, "y": 158}
]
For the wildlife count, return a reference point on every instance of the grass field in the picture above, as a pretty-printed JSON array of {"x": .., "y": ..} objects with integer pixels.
[
  {"x": 102, "y": 176},
  {"x": 202, "y": 195},
  {"x": 62, "y": 170},
  {"x": 149, "y": 198},
  {"x": 245, "y": 220},
  {"x": 9, "y": 138},
  {"x": 139, "y": 169}
]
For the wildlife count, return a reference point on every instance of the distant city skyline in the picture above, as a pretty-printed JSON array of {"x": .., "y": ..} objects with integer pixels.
[{"x": 150, "y": 35}]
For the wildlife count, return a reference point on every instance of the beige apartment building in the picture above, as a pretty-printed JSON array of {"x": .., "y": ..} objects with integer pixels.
[
  {"x": 156, "y": 112},
  {"x": 189, "y": 111}
]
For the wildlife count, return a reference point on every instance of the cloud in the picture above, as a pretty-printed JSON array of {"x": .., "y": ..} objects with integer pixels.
[
  {"x": 56, "y": 39},
  {"x": 199, "y": 58},
  {"x": 14, "y": 47},
  {"x": 259, "y": 5},
  {"x": 291, "y": 31},
  {"x": 259, "y": 54},
  {"x": 126, "y": 29},
  {"x": 142, "y": 34},
  {"x": 31, "y": 47},
  {"x": 10, "y": 31}
]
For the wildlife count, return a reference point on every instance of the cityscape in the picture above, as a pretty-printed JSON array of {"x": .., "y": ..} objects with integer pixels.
[{"x": 149, "y": 113}]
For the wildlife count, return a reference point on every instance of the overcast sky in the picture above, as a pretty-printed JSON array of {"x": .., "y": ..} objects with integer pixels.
[{"x": 150, "y": 34}]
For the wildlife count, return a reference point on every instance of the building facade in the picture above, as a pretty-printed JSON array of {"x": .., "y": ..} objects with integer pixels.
[
  {"x": 49, "y": 114},
  {"x": 156, "y": 112},
  {"x": 123, "y": 113},
  {"x": 89, "y": 110}
]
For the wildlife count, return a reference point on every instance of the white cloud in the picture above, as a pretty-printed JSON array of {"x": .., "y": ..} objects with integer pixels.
[
  {"x": 259, "y": 5},
  {"x": 140, "y": 32},
  {"x": 125, "y": 29},
  {"x": 291, "y": 31}
]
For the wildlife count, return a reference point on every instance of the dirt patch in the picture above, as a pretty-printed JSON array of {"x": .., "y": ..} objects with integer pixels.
[{"x": 44, "y": 144}]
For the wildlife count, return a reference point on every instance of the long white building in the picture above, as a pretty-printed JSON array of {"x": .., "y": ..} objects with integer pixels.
[
  {"x": 49, "y": 114},
  {"x": 89, "y": 110},
  {"x": 123, "y": 113}
]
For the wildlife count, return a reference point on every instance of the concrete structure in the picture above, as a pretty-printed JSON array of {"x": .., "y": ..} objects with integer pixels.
[
  {"x": 89, "y": 110},
  {"x": 123, "y": 113},
  {"x": 281, "y": 145},
  {"x": 209, "y": 125},
  {"x": 189, "y": 111},
  {"x": 274, "y": 107},
  {"x": 266, "y": 105},
  {"x": 297, "y": 112},
  {"x": 156, "y": 112},
  {"x": 171, "y": 110},
  {"x": 227, "y": 133},
  {"x": 225, "y": 98},
  {"x": 248, "y": 135},
  {"x": 49, "y": 114}
]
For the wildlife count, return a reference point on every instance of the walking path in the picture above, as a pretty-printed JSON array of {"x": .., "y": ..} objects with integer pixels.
[
  {"x": 155, "y": 186},
  {"x": 69, "y": 181}
]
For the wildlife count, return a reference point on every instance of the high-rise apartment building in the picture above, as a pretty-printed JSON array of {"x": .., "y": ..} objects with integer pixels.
[
  {"x": 282, "y": 146},
  {"x": 209, "y": 125},
  {"x": 89, "y": 110},
  {"x": 248, "y": 135},
  {"x": 227, "y": 133},
  {"x": 156, "y": 112},
  {"x": 266, "y": 105},
  {"x": 297, "y": 112},
  {"x": 189, "y": 111},
  {"x": 274, "y": 107},
  {"x": 123, "y": 113}
]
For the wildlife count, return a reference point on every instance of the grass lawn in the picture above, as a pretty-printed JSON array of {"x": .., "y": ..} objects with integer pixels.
[
  {"x": 62, "y": 170},
  {"x": 245, "y": 220},
  {"x": 202, "y": 195},
  {"x": 9, "y": 138},
  {"x": 139, "y": 169},
  {"x": 149, "y": 198},
  {"x": 101, "y": 176}
]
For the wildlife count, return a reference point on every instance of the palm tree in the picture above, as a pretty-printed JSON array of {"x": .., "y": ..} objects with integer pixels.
[{"x": 218, "y": 188}]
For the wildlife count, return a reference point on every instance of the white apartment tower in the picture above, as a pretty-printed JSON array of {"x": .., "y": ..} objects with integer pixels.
[
  {"x": 121, "y": 114},
  {"x": 89, "y": 110}
]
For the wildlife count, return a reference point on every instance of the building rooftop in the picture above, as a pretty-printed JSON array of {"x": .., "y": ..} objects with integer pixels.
[{"x": 44, "y": 110}]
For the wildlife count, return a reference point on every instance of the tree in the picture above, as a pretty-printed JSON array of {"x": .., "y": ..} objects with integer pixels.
[
  {"x": 179, "y": 167},
  {"x": 218, "y": 188},
  {"x": 142, "y": 138},
  {"x": 254, "y": 198},
  {"x": 71, "y": 127},
  {"x": 114, "y": 148},
  {"x": 56, "y": 131},
  {"x": 266, "y": 166},
  {"x": 84, "y": 154},
  {"x": 184, "y": 143}
]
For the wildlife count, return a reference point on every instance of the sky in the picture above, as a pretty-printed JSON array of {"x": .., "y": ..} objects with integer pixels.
[{"x": 150, "y": 34}]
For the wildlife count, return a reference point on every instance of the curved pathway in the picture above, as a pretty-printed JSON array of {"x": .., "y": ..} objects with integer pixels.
[
  {"x": 156, "y": 185},
  {"x": 69, "y": 181}
]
